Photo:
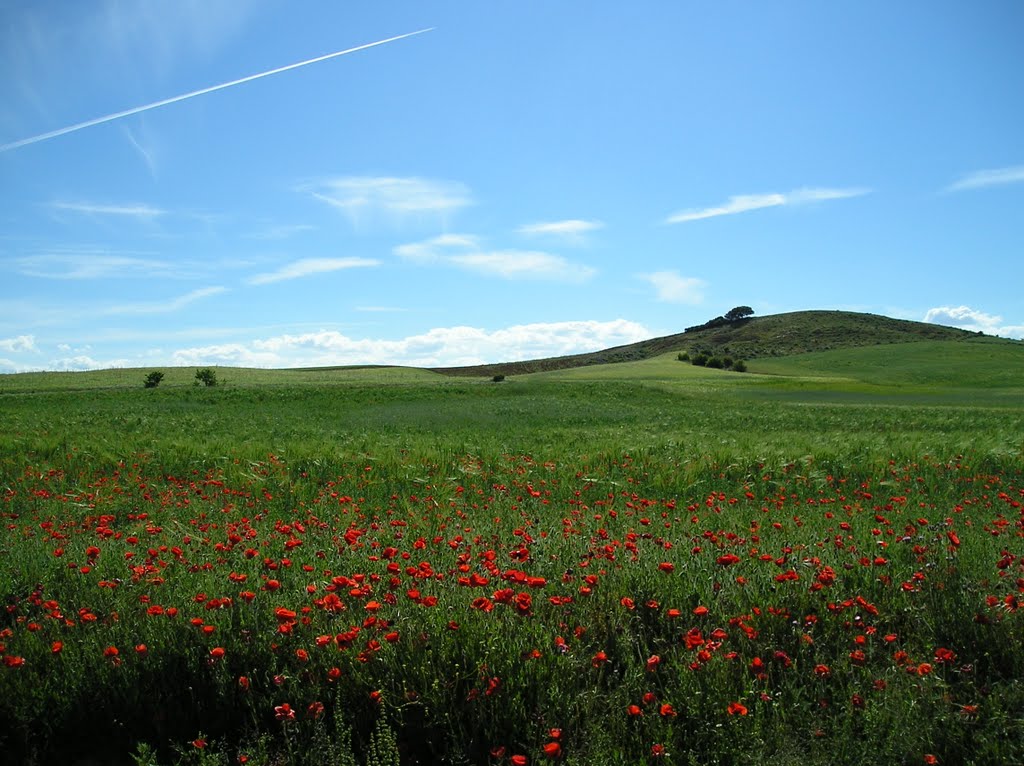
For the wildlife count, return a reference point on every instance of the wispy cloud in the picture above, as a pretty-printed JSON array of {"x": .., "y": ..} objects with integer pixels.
[
  {"x": 572, "y": 230},
  {"x": 967, "y": 318},
  {"x": 309, "y": 266},
  {"x": 747, "y": 202},
  {"x": 445, "y": 346},
  {"x": 281, "y": 231},
  {"x": 397, "y": 198},
  {"x": 436, "y": 248},
  {"x": 132, "y": 210},
  {"x": 464, "y": 251},
  {"x": 981, "y": 179},
  {"x": 95, "y": 264},
  {"x": 165, "y": 307},
  {"x": 671, "y": 287},
  {"x": 147, "y": 154},
  {"x": 523, "y": 264}
]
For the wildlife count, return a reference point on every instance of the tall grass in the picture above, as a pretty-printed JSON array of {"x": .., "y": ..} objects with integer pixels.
[{"x": 636, "y": 544}]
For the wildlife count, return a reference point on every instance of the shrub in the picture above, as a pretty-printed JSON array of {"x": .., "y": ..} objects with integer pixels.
[
  {"x": 206, "y": 376},
  {"x": 683, "y": 356},
  {"x": 714, "y": 362},
  {"x": 498, "y": 378},
  {"x": 739, "y": 366},
  {"x": 727, "y": 362},
  {"x": 153, "y": 379},
  {"x": 699, "y": 360}
]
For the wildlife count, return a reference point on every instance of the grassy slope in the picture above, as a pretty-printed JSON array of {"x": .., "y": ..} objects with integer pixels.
[
  {"x": 974, "y": 363},
  {"x": 226, "y": 376},
  {"x": 768, "y": 336},
  {"x": 822, "y": 350}
]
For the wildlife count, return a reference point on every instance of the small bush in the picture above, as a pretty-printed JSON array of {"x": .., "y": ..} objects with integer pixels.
[
  {"x": 714, "y": 362},
  {"x": 498, "y": 378},
  {"x": 727, "y": 362},
  {"x": 206, "y": 376},
  {"x": 683, "y": 356},
  {"x": 739, "y": 366},
  {"x": 700, "y": 360},
  {"x": 153, "y": 379}
]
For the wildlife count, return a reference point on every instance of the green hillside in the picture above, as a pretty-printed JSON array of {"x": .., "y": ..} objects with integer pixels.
[
  {"x": 835, "y": 345},
  {"x": 971, "y": 363},
  {"x": 754, "y": 338}
]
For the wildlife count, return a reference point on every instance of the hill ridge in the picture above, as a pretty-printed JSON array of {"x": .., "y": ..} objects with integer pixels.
[{"x": 771, "y": 335}]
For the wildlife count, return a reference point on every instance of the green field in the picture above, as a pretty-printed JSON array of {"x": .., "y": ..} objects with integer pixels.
[{"x": 815, "y": 561}]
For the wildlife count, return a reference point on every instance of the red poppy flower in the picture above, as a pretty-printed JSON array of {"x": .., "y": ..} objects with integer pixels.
[
  {"x": 284, "y": 712},
  {"x": 736, "y": 708},
  {"x": 552, "y": 749}
]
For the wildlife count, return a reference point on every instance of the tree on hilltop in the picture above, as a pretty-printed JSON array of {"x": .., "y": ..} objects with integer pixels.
[{"x": 740, "y": 312}]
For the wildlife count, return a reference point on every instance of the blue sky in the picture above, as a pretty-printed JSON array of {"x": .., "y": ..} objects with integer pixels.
[{"x": 526, "y": 179}]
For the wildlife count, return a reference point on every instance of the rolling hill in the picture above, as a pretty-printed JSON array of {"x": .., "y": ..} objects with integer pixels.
[{"x": 774, "y": 335}]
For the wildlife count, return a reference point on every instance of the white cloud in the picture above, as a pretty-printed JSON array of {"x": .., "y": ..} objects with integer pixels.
[
  {"x": 671, "y": 287},
  {"x": 95, "y": 264},
  {"x": 19, "y": 344},
  {"x": 465, "y": 252},
  {"x": 983, "y": 178},
  {"x": 572, "y": 230},
  {"x": 396, "y": 198},
  {"x": 431, "y": 250},
  {"x": 523, "y": 264},
  {"x": 309, "y": 266},
  {"x": 165, "y": 307},
  {"x": 440, "y": 347},
  {"x": 967, "y": 318},
  {"x": 747, "y": 202},
  {"x": 83, "y": 362},
  {"x": 134, "y": 210}
]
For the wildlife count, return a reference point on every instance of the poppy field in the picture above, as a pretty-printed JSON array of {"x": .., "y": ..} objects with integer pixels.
[{"x": 497, "y": 575}]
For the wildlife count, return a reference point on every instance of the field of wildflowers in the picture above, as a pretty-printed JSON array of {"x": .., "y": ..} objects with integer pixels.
[{"x": 503, "y": 593}]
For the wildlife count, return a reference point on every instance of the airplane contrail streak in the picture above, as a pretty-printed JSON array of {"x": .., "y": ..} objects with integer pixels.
[{"x": 202, "y": 91}]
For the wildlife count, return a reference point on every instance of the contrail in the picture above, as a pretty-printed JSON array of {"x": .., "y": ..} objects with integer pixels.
[{"x": 193, "y": 94}]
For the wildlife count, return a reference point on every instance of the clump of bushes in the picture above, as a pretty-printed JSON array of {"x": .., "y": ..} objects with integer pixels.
[
  {"x": 702, "y": 359},
  {"x": 498, "y": 378},
  {"x": 682, "y": 356},
  {"x": 206, "y": 376},
  {"x": 153, "y": 379}
]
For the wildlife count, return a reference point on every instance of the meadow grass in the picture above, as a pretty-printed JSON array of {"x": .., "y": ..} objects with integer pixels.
[{"x": 636, "y": 563}]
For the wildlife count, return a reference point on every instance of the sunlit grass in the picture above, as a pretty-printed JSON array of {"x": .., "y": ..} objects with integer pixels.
[{"x": 641, "y": 474}]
